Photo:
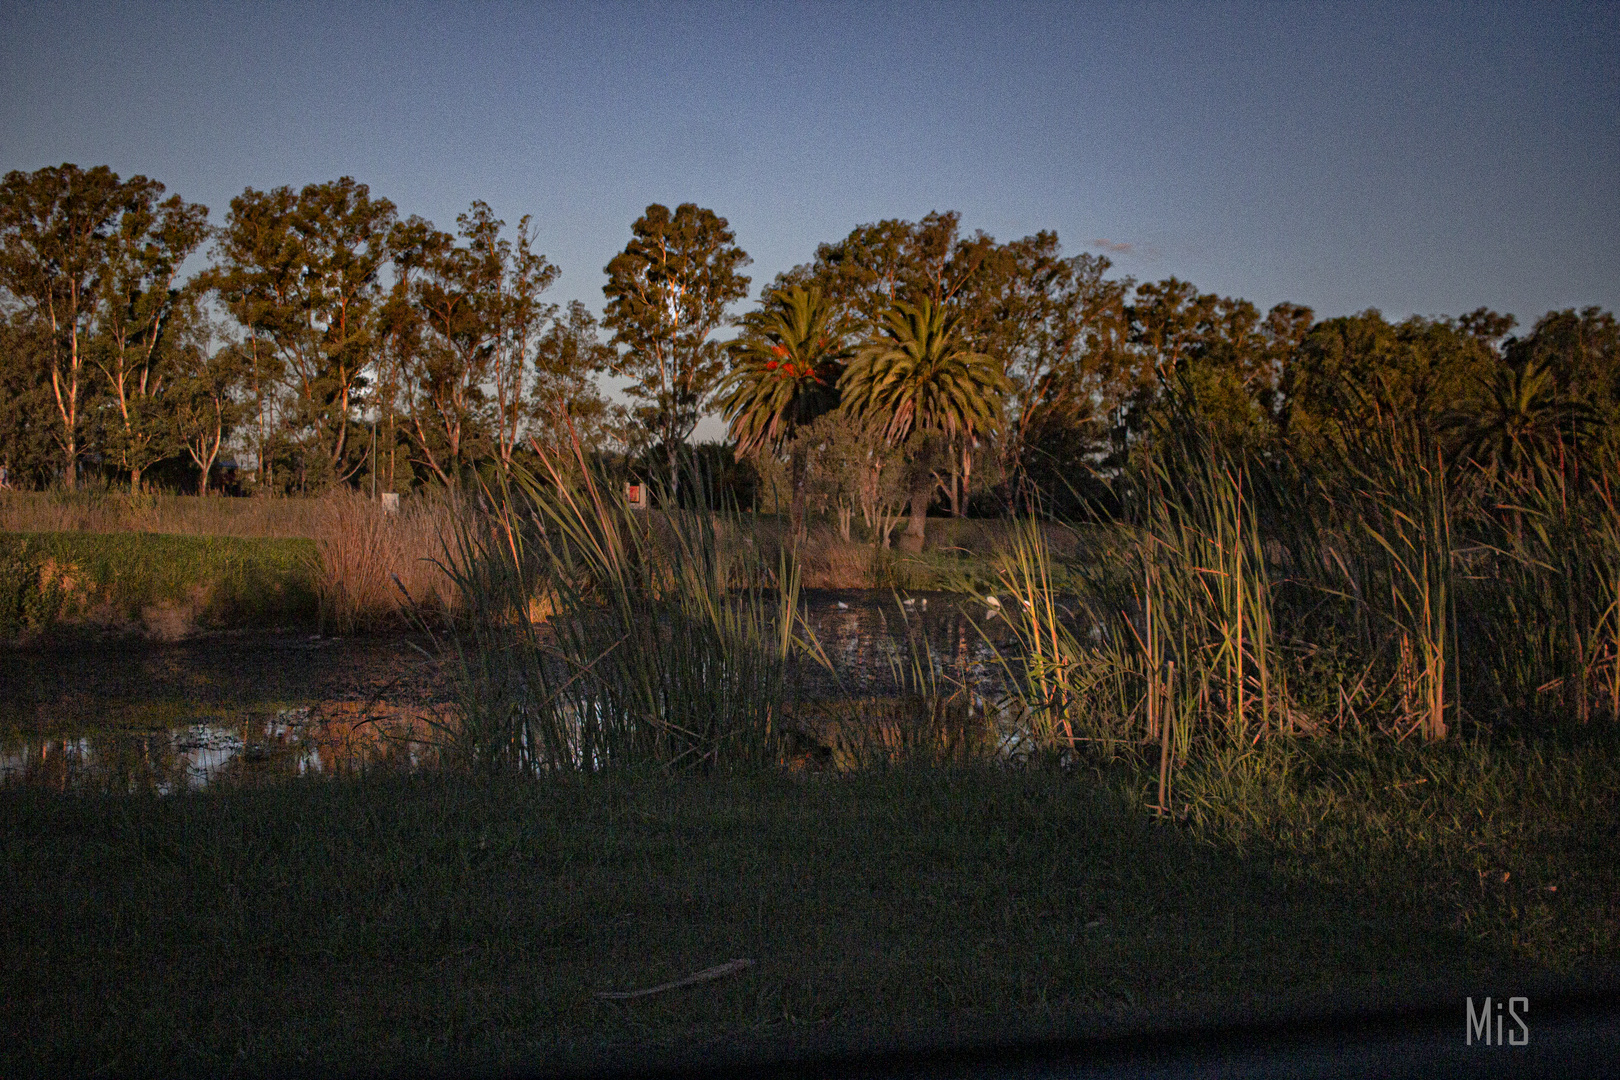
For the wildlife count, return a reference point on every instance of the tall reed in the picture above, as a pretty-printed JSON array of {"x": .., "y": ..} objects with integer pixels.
[
  {"x": 1207, "y": 595},
  {"x": 595, "y": 636},
  {"x": 1045, "y": 676},
  {"x": 1179, "y": 640},
  {"x": 1544, "y": 591},
  {"x": 1397, "y": 506}
]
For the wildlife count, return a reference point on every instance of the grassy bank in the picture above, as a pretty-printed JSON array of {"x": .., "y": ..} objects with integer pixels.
[
  {"x": 164, "y": 586},
  {"x": 164, "y": 566},
  {"x": 184, "y": 515},
  {"x": 960, "y": 552},
  {"x": 358, "y": 550},
  {"x": 431, "y": 920}
]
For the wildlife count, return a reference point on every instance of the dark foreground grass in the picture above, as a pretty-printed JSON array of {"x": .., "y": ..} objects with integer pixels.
[
  {"x": 164, "y": 585},
  {"x": 400, "y": 922},
  {"x": 1508, "y": 842}
]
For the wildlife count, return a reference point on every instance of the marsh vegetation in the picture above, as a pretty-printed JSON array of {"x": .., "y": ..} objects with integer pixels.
[{"x": 1282, "y": 661}]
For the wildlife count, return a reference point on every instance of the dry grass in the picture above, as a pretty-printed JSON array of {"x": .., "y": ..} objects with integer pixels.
[
  {"x": 180, "y": 515},
  {"x": 367, "y": 556},
  {"x": 959, "y": 550},
  {"x": 830, "y": 562}
]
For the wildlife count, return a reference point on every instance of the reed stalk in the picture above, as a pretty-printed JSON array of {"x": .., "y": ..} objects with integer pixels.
[
  {"x": 1401, "y": 508},
  {"x": 1546, "y": 587},
  {"x": 597, "y": 636}
]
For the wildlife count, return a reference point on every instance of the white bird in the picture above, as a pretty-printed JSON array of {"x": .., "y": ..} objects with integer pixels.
[{"x": 842, "y": 606}]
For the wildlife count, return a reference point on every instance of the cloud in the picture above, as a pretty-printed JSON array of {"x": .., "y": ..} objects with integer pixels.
[{"x": 1114, "y": 247}]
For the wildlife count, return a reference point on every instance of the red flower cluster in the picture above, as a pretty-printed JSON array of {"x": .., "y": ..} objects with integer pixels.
[{"x": 789, "y": 369}]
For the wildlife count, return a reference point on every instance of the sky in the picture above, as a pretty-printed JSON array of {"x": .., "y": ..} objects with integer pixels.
[{"x": 1420, "y": 159}]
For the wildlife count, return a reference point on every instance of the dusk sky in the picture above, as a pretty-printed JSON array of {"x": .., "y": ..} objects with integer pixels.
[{"x": 1417, "y": 159}]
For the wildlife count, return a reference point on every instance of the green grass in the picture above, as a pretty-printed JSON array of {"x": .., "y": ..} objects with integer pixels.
[
  {"x": 398, "y": 922},
  {"x": 172, "y": 584},
  {"x": 1507, "y": 842}
]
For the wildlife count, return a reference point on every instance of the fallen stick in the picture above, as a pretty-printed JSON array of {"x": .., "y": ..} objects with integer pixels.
[{"x": 730, "y": 967}]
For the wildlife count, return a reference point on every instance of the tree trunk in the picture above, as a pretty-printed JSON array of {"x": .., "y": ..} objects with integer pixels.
[
  {"x": 67, "y": 404},
  {"x": 967, "y": 474},
  {"x": 674, "y": 475},
  {"x": 796, "y": 466},
  {"x": 912, "y": 541}
]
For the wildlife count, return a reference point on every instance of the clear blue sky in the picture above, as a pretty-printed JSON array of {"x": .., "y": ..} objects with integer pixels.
[{"x": 1418, "y": 159}]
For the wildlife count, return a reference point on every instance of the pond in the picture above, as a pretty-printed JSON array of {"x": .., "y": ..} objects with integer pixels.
[{"x": 255, "y": 707}]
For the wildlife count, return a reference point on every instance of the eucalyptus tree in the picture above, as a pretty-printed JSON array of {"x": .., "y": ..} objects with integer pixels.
[
  {"x": 27, "y": 448},
  {"x": 1347, "y": 372},
  {"x": 667, "y": 294},
  {"x": 784, "y": 374},
  {"x": 206, "y": 397},
  {"x": 920, "y": 375},
  {"x": 1168, "y": 321},
  {"x": 246, "y": 298},
  {"x": 1218, "y": 350},
  {"x": 55, "y": 224},
  {"x": 302, "y": 270},
  {"x": 1058, "y": 326},
  {"x": 520, "y": 320},
  {"x": 564, "y": 399},
  {"x": 866, "y": 272},
  {"x": 1234, "y": 366},
  {"x": 469, "y": 311},
  {"x": 140, "y": 300},
  {"x": 445, "y": 366}
]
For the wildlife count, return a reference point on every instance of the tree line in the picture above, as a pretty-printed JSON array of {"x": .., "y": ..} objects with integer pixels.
[{"x": 904, "y": 367}]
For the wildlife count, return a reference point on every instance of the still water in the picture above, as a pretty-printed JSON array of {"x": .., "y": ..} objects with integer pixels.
[
  {"x": 249, "y": 747},
  {"x": 145, "y": 717}
]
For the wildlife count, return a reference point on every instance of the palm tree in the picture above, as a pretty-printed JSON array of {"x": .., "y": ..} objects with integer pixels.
[
  {"x": 1521, "y": 418},
  {"x": 784, "y": 374},
  {"x": 923, "y": 377}
]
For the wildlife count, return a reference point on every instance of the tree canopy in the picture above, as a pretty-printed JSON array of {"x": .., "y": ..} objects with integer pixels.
[{"x": 329, "y": 341}]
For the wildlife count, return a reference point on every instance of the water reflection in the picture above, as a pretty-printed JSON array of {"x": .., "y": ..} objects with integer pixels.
[
  {"x": 254, "y": 747},
  {"x": 877, "y": 645},
  {"x": 873, "y": 639}
]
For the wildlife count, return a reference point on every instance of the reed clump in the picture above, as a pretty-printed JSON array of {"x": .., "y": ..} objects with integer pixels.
[
  {"x": 1246, "y": 599},
  {"x": 1172, "y": 636},
  {"x": 590, "y": 635}
]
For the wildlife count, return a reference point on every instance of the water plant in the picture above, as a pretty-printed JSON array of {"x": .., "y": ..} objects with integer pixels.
[{"x": 592, "y": 635}]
